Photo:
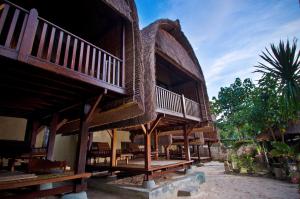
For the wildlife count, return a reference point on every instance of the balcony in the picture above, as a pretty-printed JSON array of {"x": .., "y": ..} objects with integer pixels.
[
  {"x": 26, "y": 37},
  {"x": 168, "y": 102}
]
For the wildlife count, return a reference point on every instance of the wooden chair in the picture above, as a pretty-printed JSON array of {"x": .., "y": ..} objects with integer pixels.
[{"x": 101, "y": 150}]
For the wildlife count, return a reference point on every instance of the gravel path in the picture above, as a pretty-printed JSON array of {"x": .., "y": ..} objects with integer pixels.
[{"x": 222, "y": 186}]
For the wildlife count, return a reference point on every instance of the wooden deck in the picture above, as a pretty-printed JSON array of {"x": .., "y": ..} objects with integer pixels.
[
  {"x": 138, "y": 166},
  {"x": 30, "y": 39}
]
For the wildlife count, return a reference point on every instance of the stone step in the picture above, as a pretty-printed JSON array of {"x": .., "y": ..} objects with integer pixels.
[{"x": 188, "y": 191}]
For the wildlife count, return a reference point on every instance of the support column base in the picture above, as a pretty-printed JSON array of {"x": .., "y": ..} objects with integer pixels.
[
  {"x": 81, "y": 195},
  {"x": 149, "y": 184},
  {"x": 188, "y": 171}
]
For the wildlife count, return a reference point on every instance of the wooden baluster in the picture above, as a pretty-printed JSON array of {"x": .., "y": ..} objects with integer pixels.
[
  {"x": 87, "y": 59},
  {"x": 109, "y": 69},
  {"x": 57, "y": 57},
  {"x": 114, "y": 72},
  {"x": 183, "y": 105},
  {"x": 51, "y": 44},
  {"x": 74, "y": 54},
  {"x": 3, "y": 16},
  {"x": 104, "y": 67},
  {"x": 67, "y": 51},
  {"x": 22, "y": 31},
  {"x": 118, "y": 73},
  {"x": 93, "y": 62},
  {"x": 42, "y": 41},
  {"x": 80, "y": 57},
  {"x": 99, "y": 64},
  {"x": 12, "y": 28}
]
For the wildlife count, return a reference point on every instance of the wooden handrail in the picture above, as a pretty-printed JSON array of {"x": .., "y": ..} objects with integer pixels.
[
  {"x": 45, "y": 44},
  {"x": 171, "y": 102}
]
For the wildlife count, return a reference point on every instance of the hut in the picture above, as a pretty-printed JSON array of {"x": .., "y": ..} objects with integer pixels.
[
  {"x": 175, "y": 100},
  {"x": 64, "y": 70}
]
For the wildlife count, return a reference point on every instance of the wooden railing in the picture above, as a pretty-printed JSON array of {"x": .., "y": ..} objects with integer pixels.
[
  {"x": 192, "y": 108},
  {"x": 168, "y": 101},
  {"x": 34, "y": 37},
  {"x": 12, "y": 25},
  {"x": 174, "y": 104}
]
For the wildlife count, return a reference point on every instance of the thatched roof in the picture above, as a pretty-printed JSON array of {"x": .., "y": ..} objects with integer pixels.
[
  {"x": 122, "y": 6},
  {"x": 292, "y": 130},
  {"x": 180, "y": 50}
]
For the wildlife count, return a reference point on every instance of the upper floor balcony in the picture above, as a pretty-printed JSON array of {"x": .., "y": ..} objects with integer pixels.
[
  {"x": 171, "y": 103},
  {"x": 29, "y": 38}
]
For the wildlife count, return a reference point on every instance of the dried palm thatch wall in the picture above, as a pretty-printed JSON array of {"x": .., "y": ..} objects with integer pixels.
[
  {"x": 166, "y": 37},
  {"x": 133, "y": 104}
]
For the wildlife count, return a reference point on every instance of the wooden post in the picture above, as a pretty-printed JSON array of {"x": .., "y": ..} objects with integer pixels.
[
  {"x": 31, "y": 132},
  {"x": 167, "y": 151},
  {"x": 29, "y": 34},
  {"x": 113, "y": 157},
  {"x": 52, "y": 134},
  {"x": 82, "y": 142},
  {"x": 183, "y": 105},
  {"x": 90, "y": 142},
  {"x": 198, "y": 152},
  {"x": 209, "y": 152},
  {"x": 186, "y": 145},
  {"x": 147, "y": 150},
  {"x": 156, "y": 144}
]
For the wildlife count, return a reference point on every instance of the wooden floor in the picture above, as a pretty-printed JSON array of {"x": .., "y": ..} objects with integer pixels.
[{"x": 139, "y": 164}]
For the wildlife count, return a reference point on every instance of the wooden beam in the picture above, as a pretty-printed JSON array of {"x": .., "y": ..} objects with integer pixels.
[
  {"x": 52, "y": 135},
  {"x": 144, "y": 129},
  {"x": 209, "y": 151},
  {"x": 94, "y": 106},
  {"x": 186, "y": 145},
  {"x": 82, "y": 142},
  {"x": 113, "y": 157},
  {"x": 155, "y": 123}
]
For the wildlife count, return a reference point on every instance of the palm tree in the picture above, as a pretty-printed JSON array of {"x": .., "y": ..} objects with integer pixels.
[{"x": 283, "y": 64}]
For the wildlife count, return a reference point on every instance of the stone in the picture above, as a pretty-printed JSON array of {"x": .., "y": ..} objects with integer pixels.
[
  {"x": 80, "y": 195},
  {"x": 150, "y": 184}
]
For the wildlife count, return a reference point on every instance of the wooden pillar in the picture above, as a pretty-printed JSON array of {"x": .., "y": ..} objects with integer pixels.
[
  {"x": 31, "y": 132},
  {"x": 82, "y": 142},
  {"x": 186, "y": 145},
  {"x": 147, "y": 150},
  {"x": 52, "y": 135},
  {"x": 113, "y": 155},
  {"x": 90, "y": 142},
  {"x": 209, "y": 152},
  {"x": 198, "y": 152},
  {"x": 167, "y": 151},
  {"x": 156, "y": 144}
]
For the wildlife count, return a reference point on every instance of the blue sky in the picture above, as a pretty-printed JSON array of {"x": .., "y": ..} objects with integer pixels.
[{"x": 227, "y": 35}]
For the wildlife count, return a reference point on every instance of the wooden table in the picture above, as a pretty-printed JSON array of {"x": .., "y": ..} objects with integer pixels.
[{"x": 125, "y": 156}]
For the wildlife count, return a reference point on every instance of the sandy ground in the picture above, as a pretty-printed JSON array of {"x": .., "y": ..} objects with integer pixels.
[{"x": 222, "y": 186}]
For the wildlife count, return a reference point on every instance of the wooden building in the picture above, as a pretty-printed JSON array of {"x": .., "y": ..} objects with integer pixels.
[
  {"x": 175, "y": 100},
  {"x": 66, "y": 67}
]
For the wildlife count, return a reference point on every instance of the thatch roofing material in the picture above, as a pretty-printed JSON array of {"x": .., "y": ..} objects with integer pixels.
[{"x": 121, "y": 6}]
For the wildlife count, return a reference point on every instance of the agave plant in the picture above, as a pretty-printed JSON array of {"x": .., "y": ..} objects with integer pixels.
[{"x": 283, "y": 64}]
